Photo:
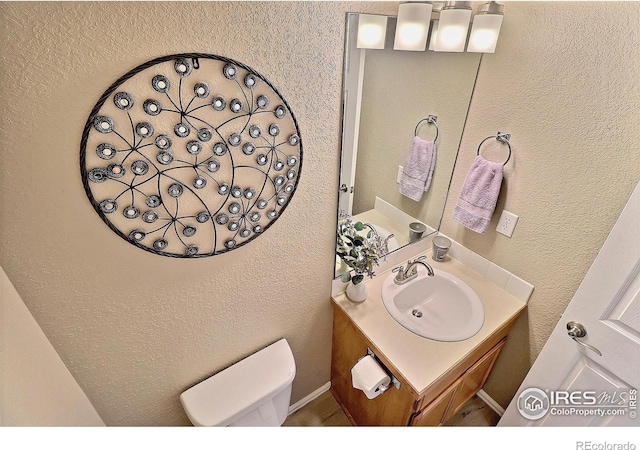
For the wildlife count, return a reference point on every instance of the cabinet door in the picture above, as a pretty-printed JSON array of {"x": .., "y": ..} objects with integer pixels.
[
  {"x": 473, "y": 379},
  {"x": 433, "y": 415}
]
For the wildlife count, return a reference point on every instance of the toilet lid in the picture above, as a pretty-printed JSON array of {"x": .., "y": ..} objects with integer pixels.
[{"x": 229, "y": 394}]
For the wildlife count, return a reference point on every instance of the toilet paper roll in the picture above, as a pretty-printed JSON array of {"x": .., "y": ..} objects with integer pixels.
[{"x": 369, "y": 377}]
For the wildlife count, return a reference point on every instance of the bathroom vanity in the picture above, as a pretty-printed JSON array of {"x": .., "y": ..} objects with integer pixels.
[{"x": 433, "y": 379}]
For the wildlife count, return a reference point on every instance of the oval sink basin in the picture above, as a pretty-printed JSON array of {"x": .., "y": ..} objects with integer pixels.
[{"x": 442, "y": 307}]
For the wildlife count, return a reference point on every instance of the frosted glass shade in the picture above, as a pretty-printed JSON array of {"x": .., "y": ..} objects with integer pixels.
[
  {"x": 413, "y": 26},
  {"x": 484, "y": 33},
  {"x": 371, "y": 31},
  {"x": 452, "y": 30}
]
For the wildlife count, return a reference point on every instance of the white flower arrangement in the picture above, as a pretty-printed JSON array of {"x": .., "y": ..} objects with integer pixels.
[{"x": 360, "y": 251}]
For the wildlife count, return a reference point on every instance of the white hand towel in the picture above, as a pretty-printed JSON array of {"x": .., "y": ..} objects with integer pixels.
[
  {"x": 418, "y": 168},
  {"x": 479, "y": 195}
]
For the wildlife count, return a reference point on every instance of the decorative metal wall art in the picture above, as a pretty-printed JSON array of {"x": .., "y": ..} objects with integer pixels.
[{"x": 190, "y": 155}]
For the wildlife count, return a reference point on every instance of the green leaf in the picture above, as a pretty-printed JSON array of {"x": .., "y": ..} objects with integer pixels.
[
  {"x": 358, "y": 226},
  {"x": 357, "y": 279},
  {"x": 345, "y": 277}
]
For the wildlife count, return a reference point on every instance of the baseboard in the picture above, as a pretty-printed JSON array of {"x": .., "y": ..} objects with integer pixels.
[
  {"x": 309, "y": 398},
  {"x": 491, "y": 402}
]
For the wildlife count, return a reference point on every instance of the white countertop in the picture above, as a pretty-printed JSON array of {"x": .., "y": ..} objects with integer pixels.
[{"x": 419, "y": 360}]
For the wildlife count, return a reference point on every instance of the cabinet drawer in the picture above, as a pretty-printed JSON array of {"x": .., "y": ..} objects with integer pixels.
[{"x": 433, "y": 415}]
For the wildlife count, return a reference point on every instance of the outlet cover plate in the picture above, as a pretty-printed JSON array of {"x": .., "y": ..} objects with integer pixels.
[{"x": 507, "y": 223}]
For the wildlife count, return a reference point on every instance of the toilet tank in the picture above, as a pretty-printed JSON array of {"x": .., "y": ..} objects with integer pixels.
[{"x": 255, "y": 391}]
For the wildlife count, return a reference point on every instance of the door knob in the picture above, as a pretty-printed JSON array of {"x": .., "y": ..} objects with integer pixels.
[{"x": 576, "y": 330}]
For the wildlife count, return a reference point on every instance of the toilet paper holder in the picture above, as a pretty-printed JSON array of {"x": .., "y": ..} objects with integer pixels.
[{"x": 394, "y": 380}]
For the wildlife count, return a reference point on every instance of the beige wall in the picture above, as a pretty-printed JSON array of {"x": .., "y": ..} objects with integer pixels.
[
  {"x": 36, "y": 389},
  {"x": 565, "y": 82},
  {"x": 136, "y": 329}
]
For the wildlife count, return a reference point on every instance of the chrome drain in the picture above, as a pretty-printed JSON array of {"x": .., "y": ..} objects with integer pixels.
[{"x": 416, "y": 313}]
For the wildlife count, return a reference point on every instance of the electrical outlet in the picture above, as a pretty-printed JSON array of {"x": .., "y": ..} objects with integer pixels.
[
  {"x": 400, "y": 169},
  {"x": 507, "y": 223}
]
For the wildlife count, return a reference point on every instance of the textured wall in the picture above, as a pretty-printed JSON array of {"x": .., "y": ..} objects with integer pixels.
[
  {"x": 136, "y": 329},
  {"x": 36, "y": 389},
  {"x": 564, "y": 81}
]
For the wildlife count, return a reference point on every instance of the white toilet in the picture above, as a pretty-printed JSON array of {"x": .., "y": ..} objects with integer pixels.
[{"x": 253, "y": 392}]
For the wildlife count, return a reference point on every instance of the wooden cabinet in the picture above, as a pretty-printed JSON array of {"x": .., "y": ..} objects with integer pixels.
[
  {"x": 349, "y": 345},
  {"x": 473, "y": 380},
  {"x": 405, "y": 406},
  {"x": 433, "y": 414}
]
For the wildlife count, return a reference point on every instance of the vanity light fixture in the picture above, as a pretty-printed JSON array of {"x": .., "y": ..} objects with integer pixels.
[
  {"x": 434, "y": 33},
  {"x": 372, "y": 30},
  {"x": 413, "y": 26},
  {"x": 435, "y": 13},
  {"x": 453, "y": 27},
  {"x": 486, "y": 28}
]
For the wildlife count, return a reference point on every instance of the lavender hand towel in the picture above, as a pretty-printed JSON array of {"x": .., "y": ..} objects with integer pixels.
[
  {"x": 479, "y": 195},
  {"x": 418, "y": 168}
]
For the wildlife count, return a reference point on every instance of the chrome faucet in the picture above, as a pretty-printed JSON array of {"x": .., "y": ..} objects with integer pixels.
[
  {"x": 385, "y": 241},
  {"x": 370, "y": 227},
  {"x": 405, "y": 275}
]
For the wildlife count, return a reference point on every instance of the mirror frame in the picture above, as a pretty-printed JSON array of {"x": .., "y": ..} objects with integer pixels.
[{"x": 351, "y": 22}]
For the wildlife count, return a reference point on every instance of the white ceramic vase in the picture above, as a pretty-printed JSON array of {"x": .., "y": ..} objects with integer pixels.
[{"x": 357, "y": 292}]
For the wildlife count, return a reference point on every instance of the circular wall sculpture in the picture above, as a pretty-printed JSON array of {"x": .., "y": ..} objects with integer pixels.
[{"x": 190, "y": 155}]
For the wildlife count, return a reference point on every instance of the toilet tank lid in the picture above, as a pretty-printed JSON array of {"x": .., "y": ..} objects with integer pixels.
[{"x": 227, "y": 395}]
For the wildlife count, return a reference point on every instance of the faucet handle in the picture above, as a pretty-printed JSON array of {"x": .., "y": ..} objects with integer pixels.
[
  {"x": 419, "y": 258},
  {"x": 414, "y": 268},
  {"x": 400, "y": 273}
]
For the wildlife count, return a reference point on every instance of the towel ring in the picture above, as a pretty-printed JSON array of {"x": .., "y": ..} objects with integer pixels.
[
  {"x": 431, "y": 119},
  {"x": 500, "y": 137}
]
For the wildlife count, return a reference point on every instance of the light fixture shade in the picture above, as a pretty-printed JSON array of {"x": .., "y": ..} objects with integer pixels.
[
  {"x": 453, "y": 28},
  {"x": 486, "y": 29},
  {"x": 413, "y": 26},
  {"x": 371, "y": 31}
]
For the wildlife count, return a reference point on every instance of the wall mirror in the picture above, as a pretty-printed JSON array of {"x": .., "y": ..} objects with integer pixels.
[{"x": 386, "y": 95}]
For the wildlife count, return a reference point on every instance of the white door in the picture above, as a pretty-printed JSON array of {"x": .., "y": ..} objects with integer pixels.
[
  {"x": 354, "y": 73},
  {"x": 571, "y": 384}
]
